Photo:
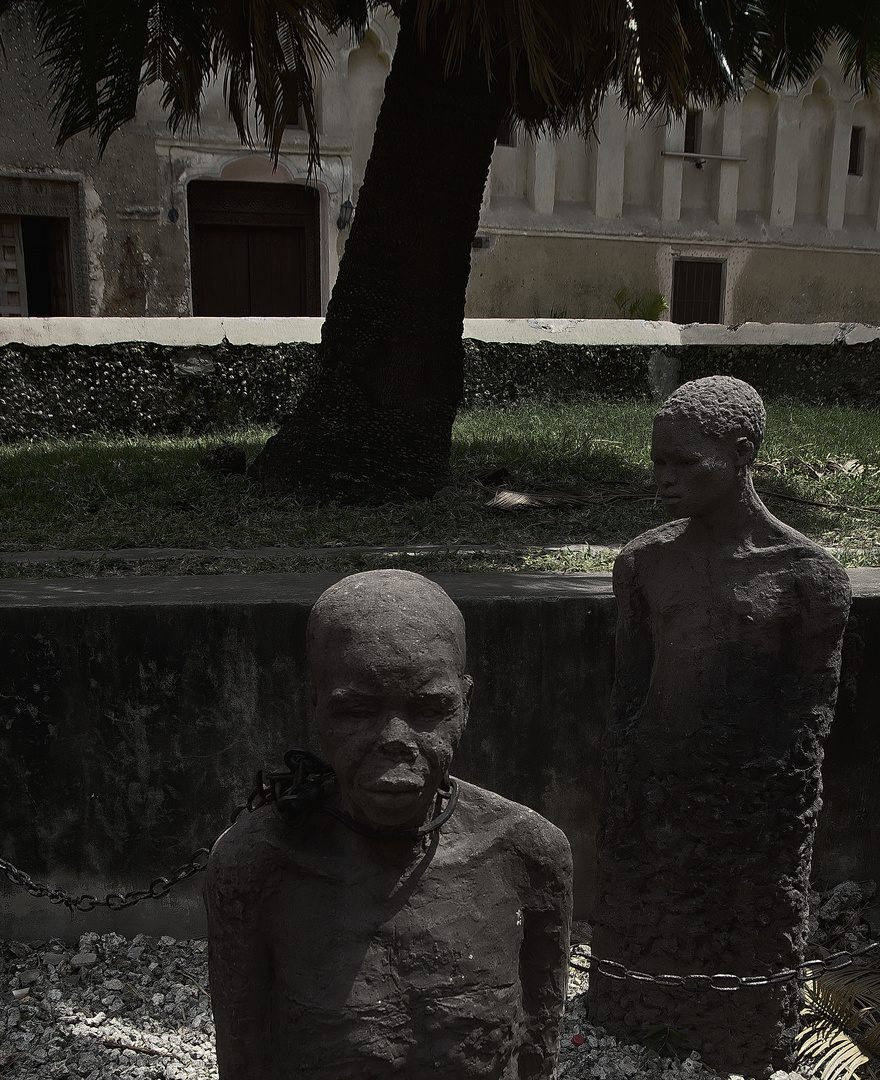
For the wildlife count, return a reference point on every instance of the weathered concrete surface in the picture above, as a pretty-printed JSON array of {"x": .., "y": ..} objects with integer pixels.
[
  {"x": 133, "y": 714},
  {"x": 201, "y": 330},
  {"x": 272, "y": 331}
]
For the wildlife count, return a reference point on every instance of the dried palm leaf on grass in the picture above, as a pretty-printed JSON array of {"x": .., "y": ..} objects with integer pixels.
[
  {"x": 816, "y": 469},
  {"x": 840, "y": 1037},
  {"x": 507, "y": 499}
]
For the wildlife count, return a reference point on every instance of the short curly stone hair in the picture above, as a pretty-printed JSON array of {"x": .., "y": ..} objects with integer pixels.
[{"x": 724, "y": 407}]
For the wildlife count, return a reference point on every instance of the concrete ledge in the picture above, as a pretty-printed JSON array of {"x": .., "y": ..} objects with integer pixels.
[
  {"x": 574, "y": 331},
  {"x": 134, "y": 712},
  {"x": 272, "y": 331},
  {"x": 162, "y": 331},
  {"x": 779, "y": 334}
]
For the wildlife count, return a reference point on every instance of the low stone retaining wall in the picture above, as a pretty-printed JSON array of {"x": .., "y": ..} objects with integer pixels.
[
  {"x": 133, "y": 714},
  {"x": 68, "y": 377}
]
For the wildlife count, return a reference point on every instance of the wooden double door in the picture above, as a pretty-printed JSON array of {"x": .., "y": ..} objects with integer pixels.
[{"x": 254, "y": 248}]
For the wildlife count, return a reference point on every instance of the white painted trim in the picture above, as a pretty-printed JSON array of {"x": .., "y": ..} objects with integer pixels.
[{"x": 192, "y": 332}]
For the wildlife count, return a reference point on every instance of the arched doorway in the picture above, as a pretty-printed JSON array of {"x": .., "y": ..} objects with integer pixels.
[{"x": 254, "y": 248}]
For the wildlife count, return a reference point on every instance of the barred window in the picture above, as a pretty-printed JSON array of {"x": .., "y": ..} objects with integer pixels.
[{"x": 697, "y": 290}]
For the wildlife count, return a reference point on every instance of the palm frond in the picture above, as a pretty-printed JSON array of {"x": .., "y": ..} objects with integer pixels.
[
  {"x": 561, "y": 58},
  {"x": 841, "y": 1018},
  {"x": 101, "y": 53}
]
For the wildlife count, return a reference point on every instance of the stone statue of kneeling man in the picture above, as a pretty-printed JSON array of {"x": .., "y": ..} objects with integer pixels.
[{"x": 383, "y": 935}]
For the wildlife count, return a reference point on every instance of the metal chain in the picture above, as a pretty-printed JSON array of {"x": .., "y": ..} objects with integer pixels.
[
  {"x": 273, "y": 789},
  {"x": 307, "y": 772},
  {"x": 804, "y": 972},
  {"x": 157, "y": 888}
]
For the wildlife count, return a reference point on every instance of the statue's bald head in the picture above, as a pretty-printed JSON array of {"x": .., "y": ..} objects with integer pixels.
[
  {"x": 386, "y": 654},
  {"x": 378, "y": 605}
]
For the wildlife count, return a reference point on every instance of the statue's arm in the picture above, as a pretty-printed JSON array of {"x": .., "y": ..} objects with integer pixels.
[
  {"x": 634, "y": 646},
  {"x": 825, "y": 597},
  {"x": 545, "y": 945},
  {"x": 238, "y": 961}
]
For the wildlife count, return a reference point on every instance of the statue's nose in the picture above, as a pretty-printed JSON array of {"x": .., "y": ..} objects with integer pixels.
[{"x": 397, "y": 735}]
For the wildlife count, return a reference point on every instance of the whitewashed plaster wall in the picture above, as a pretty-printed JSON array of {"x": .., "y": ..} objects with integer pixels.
[
  {"x": 769, "y": 194},
  {"x": 565, "y": 223},
  {"x": 135, "y": 196}
]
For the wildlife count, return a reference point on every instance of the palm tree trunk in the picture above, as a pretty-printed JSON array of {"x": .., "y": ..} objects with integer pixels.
[{"x": 375, "y": 421}]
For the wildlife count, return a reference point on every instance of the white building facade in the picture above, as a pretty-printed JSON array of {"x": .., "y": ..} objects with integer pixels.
[{"x": 766, "y": 209}]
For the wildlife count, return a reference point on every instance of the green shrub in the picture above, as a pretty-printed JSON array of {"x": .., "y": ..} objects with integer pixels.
[
  {"x": 140, "y": 388},
  {"x": 143, "y": 388}
]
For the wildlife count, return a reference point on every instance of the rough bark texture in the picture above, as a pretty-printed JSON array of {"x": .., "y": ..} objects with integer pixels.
[
  {"x": 376, "y": 419},
  {"x": 727, "y": 669}
]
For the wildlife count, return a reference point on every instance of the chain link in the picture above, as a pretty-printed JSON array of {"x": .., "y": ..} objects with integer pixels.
[
  {"x": 115, "y": 901},
  {"x": 271, "y": 788},
  {"x": 806, "y": 971}
]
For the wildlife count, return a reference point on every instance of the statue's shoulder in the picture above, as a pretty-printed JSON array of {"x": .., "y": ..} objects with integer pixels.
[
  {"x": 649, "y": 546},
  {"x": 655, "y": 539},
  {"x": 246, "y": 853},
  {"x": 817, "y": 570},
  {"x": 531, "y": 836}
]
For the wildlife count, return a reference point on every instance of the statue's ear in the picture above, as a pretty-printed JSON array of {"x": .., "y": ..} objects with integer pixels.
[
  {"x": 467, "y": 684},
  {"x": 746, "y": 451}
]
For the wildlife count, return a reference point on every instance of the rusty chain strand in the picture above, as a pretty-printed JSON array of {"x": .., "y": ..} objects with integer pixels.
[
  {"x": 806, "y": 971},
  {"x": 269, "y": 789},
  {"x": 265, "y": 791},
  {"x": 158, "y": 887}
]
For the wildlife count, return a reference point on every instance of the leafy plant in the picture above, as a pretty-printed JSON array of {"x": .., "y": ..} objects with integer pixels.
[
  {"x": 650, "y": 306},
  {"x": 841, "y": 1016},
  {"x": 667, "y": 1041}
]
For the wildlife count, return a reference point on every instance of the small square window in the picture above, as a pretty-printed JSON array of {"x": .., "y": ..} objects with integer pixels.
[
  {"x": 697, "y": 290},
  {"x": 693, "y": 131},
  {"x": 856, "y": 151}
]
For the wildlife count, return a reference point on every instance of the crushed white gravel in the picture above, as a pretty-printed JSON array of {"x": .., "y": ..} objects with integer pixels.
[{"x": 110, "y": 1008}]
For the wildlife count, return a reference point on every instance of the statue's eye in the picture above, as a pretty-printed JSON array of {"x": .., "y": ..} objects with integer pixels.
[
  {"x": 352, "y": 710},
  {"x": 435, "y": 708}
]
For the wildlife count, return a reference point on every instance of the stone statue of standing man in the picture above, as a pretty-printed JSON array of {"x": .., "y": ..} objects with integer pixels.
[
  {"x": 411, "y": 926},
  {"x": 727, "y": 663}
]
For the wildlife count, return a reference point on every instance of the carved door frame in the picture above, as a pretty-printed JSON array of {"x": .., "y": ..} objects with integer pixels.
[
  {"x": 256, "y": 203},
  {"x": 29, "y": 195}
]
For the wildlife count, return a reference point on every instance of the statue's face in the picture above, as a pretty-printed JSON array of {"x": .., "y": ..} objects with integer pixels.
[
  {"x": 391, "y": 706},
  {"x": 696, "y": 475}
]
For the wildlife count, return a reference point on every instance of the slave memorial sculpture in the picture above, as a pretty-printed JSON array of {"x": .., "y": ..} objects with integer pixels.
[
  {"x": 727, "y": 662},
  {"x": 396, "y": 922}
]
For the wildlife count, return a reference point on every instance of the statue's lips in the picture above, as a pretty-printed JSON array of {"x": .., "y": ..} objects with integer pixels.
[{"x": 395, "y": 787}]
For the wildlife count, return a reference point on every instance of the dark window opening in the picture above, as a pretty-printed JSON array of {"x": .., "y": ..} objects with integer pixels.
[
  {"x": 35, "y": 267},
  {"x": 693, "y": 131},
  {"x": 856, "y": 151},
  {"x": 297, "y": 120},
  {"x": 506, "y": 133},
  {"x": 697, "y": 291}
]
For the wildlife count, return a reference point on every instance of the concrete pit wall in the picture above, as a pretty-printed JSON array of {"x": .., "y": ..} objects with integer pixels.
[{"x": 135, "y": 713}]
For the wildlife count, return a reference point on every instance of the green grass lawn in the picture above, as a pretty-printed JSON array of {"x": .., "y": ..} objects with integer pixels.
[{"x": 105, "y": 493}]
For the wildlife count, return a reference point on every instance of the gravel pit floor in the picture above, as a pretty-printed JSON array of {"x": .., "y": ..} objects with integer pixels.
[{"x": 111, "y": 1008}]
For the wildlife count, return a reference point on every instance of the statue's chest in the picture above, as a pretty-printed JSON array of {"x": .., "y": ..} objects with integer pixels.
[
  {"x": 699, "y": 606},
  {"x": 358, "y": 942},
  {"x": 381, "y": 985}
]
